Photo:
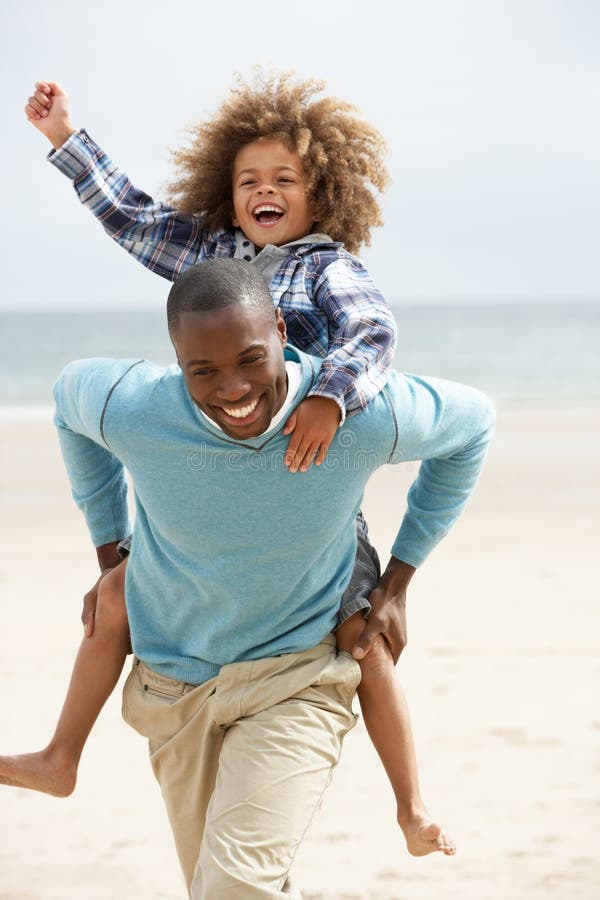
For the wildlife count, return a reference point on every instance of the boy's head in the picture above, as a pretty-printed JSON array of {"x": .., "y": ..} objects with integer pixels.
[
  {"x": 337, "y": 155},
  {"x": 270, "y": 196}
]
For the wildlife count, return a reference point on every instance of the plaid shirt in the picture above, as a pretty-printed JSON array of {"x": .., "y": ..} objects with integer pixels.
[{"x": 331, "y": 307}]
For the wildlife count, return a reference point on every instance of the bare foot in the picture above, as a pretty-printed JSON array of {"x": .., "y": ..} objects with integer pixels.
[
  {"x": 38, "y": 772},
  {"x": 424, "y": 836}
]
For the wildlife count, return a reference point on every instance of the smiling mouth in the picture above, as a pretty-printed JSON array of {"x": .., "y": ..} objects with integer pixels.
[
  {"x": 266, "y": 214},
  {"x": 241, "y": 412}
]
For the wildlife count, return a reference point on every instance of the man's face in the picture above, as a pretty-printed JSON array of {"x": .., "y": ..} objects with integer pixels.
[
  {"x": 233, "y": 364},
  {"x": 269, "y": 194}
]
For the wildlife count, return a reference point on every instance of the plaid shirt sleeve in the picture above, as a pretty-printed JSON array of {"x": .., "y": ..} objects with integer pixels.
[
  {"x": 362, "y": 335},
  {"x": 155, "y": 234}
]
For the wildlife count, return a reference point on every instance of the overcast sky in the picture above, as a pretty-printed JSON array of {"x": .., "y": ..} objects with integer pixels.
[{"x": 490, "y": 109}]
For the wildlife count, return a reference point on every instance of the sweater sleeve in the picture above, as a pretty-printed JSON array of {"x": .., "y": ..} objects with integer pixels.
[
  {"x": 97, "y": 478},
  {"x": 159, "y": 237},
  {"x": 449, "y": 427},
  {"x": 362, "y": 336}
]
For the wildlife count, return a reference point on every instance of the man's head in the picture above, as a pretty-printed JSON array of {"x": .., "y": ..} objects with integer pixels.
[
  {"x": 229, "y": 341},
  {"x": 340, "y": 157}
]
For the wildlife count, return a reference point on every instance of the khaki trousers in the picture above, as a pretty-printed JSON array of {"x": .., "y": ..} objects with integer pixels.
[{"x": 243, "y": 761}]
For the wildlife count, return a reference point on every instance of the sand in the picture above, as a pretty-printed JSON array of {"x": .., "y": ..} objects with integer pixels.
[{"x": 502, "y": 672}]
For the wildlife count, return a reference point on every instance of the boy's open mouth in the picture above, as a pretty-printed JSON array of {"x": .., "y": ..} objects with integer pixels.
[{"x": 266, "y": 214}]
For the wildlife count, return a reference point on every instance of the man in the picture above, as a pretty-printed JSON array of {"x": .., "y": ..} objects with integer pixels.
[{"x": 237, "y": 565}]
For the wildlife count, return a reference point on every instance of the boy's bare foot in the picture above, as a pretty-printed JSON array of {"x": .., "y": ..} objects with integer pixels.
[
  {"x": 424, "y": 836},
  {"x": 40, "y": 771}
]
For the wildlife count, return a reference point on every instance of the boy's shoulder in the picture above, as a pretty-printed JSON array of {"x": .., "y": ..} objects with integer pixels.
[
  {"x": 316, "y": 256},
  {"x": 319, "y": 247}
]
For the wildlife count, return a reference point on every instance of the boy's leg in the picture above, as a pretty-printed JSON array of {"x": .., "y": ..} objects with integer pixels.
[
  {"x": 386, "y": 716},
  {"x": 243, "y": 761},
  {"x": 95, "y": 674},
  {"x": 365, "y": 574}
]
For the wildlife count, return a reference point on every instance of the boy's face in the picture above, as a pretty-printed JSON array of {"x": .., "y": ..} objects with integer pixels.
[{"x": 270, "y": 201}]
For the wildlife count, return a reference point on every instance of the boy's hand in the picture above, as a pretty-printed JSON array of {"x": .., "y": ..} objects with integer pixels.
[
  {"x": 48, "y": 110},
  {"x": 313, "y": 423}
]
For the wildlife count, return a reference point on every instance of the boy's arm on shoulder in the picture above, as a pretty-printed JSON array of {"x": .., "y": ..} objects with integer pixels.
[
  {"x": 154, "y": 233},
  {"x": 362, "y": 335}
]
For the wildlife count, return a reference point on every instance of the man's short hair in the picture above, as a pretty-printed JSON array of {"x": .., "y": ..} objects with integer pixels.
[{"x": 216, "y": 284}]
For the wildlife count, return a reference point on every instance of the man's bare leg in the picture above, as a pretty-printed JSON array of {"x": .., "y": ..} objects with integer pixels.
[
  {"x": 387, "y": 719},
  {"x": 95, "y": 673}
]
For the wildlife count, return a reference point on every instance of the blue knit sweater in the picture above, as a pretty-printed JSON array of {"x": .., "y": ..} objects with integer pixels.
[{"x": 233, "y": 557}]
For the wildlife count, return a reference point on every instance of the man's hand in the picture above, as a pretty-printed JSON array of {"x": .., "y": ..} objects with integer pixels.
[
  {"x": 388, "y": 612},
  {"x": 313, "y": 423},
  {"x": 108, "y": 559},
  {"x": 48, "y": 110},
  {"x": 88, "y": 615}
]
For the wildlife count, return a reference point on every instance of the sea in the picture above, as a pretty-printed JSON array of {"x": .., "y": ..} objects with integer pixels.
[{"x": 524, "y": 353}]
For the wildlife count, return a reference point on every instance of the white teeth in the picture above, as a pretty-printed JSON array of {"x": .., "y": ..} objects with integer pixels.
[
  {"x": 244, "y": 411},
  {"x": 267, "y": 208}
]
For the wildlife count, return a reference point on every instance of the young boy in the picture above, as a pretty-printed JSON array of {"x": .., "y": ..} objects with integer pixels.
[{"x": 280, "y": 180}]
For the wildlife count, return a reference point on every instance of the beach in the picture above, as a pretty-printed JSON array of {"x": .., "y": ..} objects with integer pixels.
[{"x": 502, "y": 674}]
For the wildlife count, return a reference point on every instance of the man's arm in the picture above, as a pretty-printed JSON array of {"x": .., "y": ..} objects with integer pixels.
[
  {"x": 82, "y": 393},
  {"x": 82, "y": 397},
  {"x": 108, "y": 556},
  {"x": 449, "y": 427},
  {"x": 108, "y": 559},
  {"x": 154, "y": 233},
  {"x": 388, "y": 610}
]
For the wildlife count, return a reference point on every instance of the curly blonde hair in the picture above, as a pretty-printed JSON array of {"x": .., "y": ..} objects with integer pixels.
[{"x": 341, "y": 153}]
